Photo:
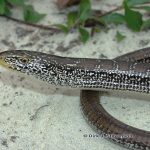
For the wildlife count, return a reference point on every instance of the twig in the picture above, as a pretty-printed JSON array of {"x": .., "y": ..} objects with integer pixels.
[
  {"x": 37, "y": 111},
  {"x": 31, "y": 24},
  {"x": 111, "y": 11}
]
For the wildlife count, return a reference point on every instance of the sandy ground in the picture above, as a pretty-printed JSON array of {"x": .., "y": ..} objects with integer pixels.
[{"x": 37, "y": 116}]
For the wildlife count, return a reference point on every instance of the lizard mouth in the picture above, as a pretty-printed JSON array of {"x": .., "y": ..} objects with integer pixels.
[
  {"x": 3, "y": 63},
  {"x": 3, "y": 57}
]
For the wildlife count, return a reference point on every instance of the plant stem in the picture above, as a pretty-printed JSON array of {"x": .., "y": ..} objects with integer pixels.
[
  {"x": 31, "y": 24},
  {"x": 111, "y": 11}
]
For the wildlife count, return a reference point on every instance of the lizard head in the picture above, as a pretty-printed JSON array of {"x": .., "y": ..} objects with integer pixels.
[{"x": 23, "y": 61}]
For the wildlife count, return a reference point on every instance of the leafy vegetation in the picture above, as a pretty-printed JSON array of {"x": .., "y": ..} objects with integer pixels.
[
  {"x": 131, "y": 16},
  {"x": 32, "y": 16},
  {"x": 84, "y": 34},
  {"x": 29, "y": 13}
]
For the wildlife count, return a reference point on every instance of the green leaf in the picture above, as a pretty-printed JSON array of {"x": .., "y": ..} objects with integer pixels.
[
  {"x": 131, "y": 3},
  {"x": 16, "y": 2},
  {"x": 71, "y": 18},
  {"x": 84, "y": 10},
  {"x": 32, "y": 16},
  {"x": 62, "y": 27},
  {"x": 115, "y": 18},
  {"x": 133, "y": 18},
  {"x": 2, "y": 7},
  {"x": 146, "y": 25},
  {"x": 84, "y": 34},
  {"x": 7, "y": 11},
  {"x": 119, "y": 36}
]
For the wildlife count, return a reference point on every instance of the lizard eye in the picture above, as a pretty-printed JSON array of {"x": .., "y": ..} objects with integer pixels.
[{"x": 24, "y": 60}]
